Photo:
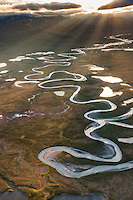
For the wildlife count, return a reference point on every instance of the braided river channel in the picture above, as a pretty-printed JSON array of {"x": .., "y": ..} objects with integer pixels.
[{"x": 72, "y": 111}]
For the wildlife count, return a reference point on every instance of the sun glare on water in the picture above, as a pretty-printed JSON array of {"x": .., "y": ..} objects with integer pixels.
[
  {"x": 93, "y": 4},
  {"x": 86, "y": 5}
]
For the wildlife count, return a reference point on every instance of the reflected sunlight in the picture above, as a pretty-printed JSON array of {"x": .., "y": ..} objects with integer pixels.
[
  {"x": 108, "y": 92},
  {"x": 108, "y": 79},
  {"x": 94, "y": 4},
  {"x": 86, "y": 5},
  {"x": 71, "y": 7}
]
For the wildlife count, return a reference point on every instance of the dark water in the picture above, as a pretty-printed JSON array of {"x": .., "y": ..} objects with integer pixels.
[
  {"x": 85, "y": 197},
  {"x": 13, "y": 193}
]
